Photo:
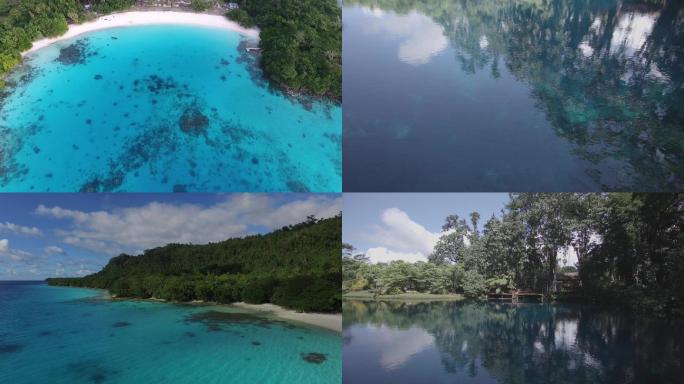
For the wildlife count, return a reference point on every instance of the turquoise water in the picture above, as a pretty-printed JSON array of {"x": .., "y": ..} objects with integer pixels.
[
  {"x": 70, "y": 335},
  {"x": 159, "y": 109}
]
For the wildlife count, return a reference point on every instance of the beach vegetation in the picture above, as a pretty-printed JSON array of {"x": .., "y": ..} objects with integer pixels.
[
  {"x": 301, "y": 43},
  {"x": 24, "y": 21}
]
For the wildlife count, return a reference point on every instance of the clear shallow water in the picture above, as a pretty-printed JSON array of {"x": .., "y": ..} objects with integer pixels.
[
  {"x": 513, "y": 95},
  {"x": 398, "y": 342},
  {"x": 69, "y": 335},
  {"x": 161, "y": 108}
]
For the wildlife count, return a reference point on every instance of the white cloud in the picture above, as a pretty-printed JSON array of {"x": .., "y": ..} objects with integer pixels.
[
  {"x": 401, "y": 233},
  {"x": 19, "y": 229},
  {"x": 400, "y": 238},
  {"x": 12, "y": 254},
  {"x": 54, "y": 250},
  {"x": 156, "y": 224},
  {"x": 422, "y": 38},
  {"x": 384, "y": 255}
]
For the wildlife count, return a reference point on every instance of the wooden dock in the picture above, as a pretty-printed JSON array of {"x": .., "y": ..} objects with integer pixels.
[{"x": 515, "y": 296}]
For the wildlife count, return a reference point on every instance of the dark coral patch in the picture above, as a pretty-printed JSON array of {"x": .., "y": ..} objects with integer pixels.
[
  {"x": 193, "y": 121},
  {"x": 93, "y": 371},
  {"x": 98, "y": 77},
  {"x": 180, "y": 188},
  {"x": 215, "y": 320},
  {"x": 121, "y": 324},
  {"x": 256, "y": 343},
  {"x": 314, "y": 357},
  {"x": 297, "y": 186},
  {"x": 10, "y": 348},
  {"x": 190, "y": 334},
  {"x": 73, "y": 54}
]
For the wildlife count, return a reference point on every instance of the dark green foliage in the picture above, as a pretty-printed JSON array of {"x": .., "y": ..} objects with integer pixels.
[
  {"x": 297, "y": 267},
  {"x": 108, "y": 6},
  {"x": 301, "y": 42},
  {"x": 200, "y": 5},
  {"x": 23, "y": 21}
]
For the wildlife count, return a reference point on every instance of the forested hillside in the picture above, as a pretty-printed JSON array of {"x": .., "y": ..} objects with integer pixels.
[
  {"x": 297, "y": 267},
  {"x": 301, "y": 42},
  {"x": 629, "y": 247}
]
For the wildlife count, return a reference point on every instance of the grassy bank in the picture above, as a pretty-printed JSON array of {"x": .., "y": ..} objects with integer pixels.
[{"x": 367, "y": 295}]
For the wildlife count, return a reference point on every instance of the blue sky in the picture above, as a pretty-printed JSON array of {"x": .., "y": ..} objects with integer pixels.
[
  {"x": 405, "y": 226},
  {"x": 44, "y": 235}
]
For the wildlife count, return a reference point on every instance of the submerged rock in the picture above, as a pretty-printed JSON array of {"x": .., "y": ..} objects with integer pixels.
[
  {"x": 193, "y": 121},
  {"x": 10, "y": 348},
  {"x": 314, "y": 357},
  {"x": 121, "y": 324}
]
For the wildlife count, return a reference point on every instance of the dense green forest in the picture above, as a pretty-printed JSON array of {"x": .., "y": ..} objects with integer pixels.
[
  {"x": 23, "y": 21},
  {"x": 629, "y": 248},
  {"x": 297, "y": 267},
  {"x": 301, "y": 42}
]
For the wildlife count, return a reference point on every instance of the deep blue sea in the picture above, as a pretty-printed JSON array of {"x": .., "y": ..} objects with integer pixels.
[
  {"x": 161, "y": 109},
  {"x": 513, "y": 95},
  {"x": 72, "y": 335}
]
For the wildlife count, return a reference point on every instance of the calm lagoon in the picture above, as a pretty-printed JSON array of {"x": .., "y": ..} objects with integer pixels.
[
  {"x": 513, "y": 95},
  {"x": 456, "y": 342},
  {"x": 161, "y": 108},
  {"x": 72, "y": 335}
]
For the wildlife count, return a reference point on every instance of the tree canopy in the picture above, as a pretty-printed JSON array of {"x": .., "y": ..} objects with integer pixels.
[
  {"x": 297, "y": 267},
  {"x": 301, "y": 42}
]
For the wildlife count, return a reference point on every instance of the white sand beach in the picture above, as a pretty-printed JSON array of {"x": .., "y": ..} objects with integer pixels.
[
  {"x": 323, "y": 320},
  {"x": 128, "y": 19}
]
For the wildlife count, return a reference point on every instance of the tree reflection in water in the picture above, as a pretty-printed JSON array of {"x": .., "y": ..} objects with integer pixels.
[
  {"x": 525, "y": 343},
  {"x": 607, "y": 74}
]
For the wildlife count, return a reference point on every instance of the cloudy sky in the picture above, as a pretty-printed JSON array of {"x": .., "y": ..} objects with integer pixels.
[
  {"x": 406, "y": 226},
  {"x": 45, "y": 235}
]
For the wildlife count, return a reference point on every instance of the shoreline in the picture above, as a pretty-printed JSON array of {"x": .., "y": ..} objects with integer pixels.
[
  {"x": 138, "y": 18},
  {"x": 330, "y": 321}
]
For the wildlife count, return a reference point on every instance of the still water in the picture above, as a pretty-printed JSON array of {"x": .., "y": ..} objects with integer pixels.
[
  {"x": 513, "y": 95},
  {"x": 446, "y": 342},
  {"x": 72, "y": 336}
]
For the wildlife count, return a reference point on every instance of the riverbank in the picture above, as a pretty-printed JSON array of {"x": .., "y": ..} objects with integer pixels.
[
  {"x": 324, "y": 320},
  {"x": 366, "y": 295},
  {"x": 137, "y": 18}
]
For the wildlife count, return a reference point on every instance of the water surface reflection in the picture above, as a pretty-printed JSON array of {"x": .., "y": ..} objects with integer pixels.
[
  {"x": 438, "y": 342},
  {"x": 513, "y": 95}
]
